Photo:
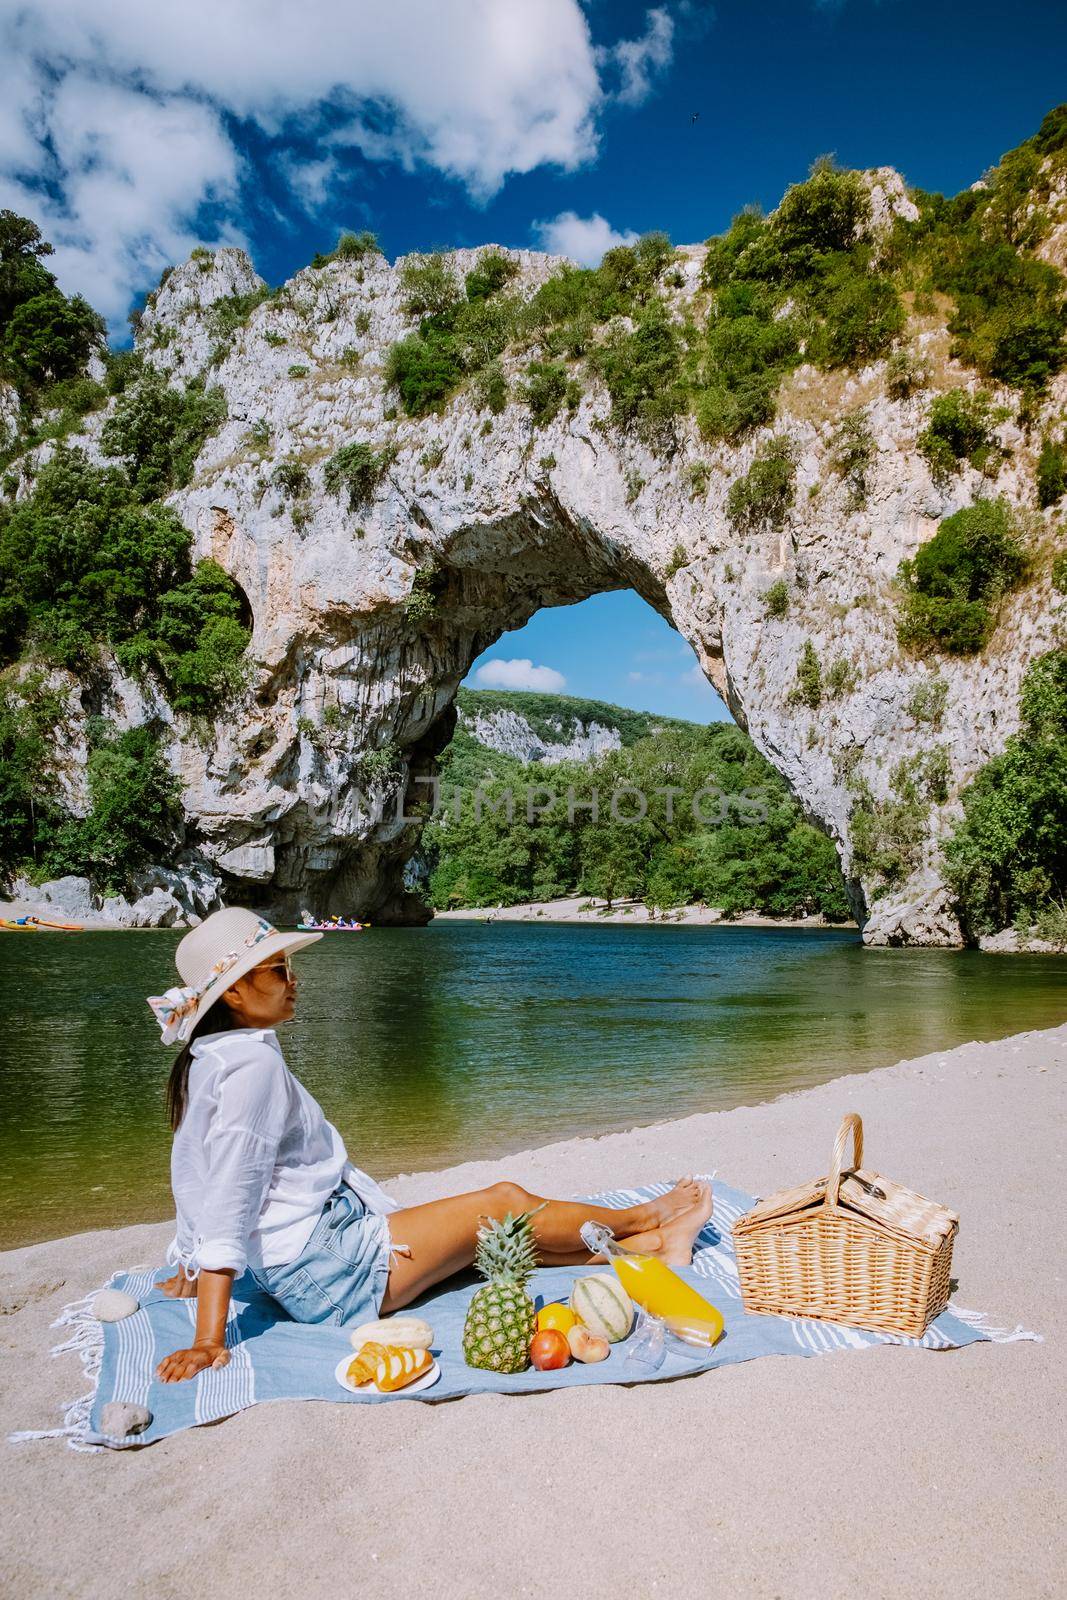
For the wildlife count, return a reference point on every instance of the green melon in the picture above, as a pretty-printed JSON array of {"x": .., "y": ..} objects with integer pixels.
[{"x": 603, "y": 1305}]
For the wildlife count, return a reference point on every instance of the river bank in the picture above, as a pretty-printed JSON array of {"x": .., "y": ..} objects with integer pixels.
[
  {"x": 760, "y": 1480},
  {"x": 71, "y": 900},
  {"x": 587, "y": 908}
]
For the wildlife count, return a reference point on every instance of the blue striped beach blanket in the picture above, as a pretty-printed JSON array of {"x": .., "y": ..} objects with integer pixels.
[{"x": 275, "y": 1358}]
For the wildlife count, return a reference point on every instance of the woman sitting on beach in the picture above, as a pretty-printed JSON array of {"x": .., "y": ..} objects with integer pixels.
[{"x": 263, "y": 1182}]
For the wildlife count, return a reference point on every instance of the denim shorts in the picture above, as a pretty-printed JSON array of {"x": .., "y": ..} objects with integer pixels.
[{"x": 342, "y": 1272}]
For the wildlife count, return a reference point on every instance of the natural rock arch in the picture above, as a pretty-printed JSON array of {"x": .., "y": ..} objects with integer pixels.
[{"x": 367, "y": 618}]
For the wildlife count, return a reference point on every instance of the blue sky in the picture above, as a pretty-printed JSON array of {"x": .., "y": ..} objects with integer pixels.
[
  {"x": 939, "y": 90},
  {"x": 131, "y": 133},
  {"x": 612, "y": 647}
]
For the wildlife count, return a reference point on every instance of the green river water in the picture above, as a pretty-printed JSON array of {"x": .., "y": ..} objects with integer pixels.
[{"x": 428, "y": 1046}]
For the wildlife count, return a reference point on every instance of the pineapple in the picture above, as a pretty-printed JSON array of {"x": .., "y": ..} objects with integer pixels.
[{"x": 500, "y": 1319}]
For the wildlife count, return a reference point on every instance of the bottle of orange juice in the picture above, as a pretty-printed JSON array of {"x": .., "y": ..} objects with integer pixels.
[{"x": 659, "y": 1290}]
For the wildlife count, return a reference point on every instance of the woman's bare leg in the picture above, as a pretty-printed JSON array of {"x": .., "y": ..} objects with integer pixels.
[{"x": 441, "y": 1235}]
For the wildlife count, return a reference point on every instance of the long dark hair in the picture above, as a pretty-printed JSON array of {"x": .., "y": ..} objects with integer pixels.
[{"x": 216, "y": 1019}]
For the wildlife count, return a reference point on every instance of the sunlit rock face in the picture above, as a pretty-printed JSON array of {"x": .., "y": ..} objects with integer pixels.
[
  {"x": 354, "y": 680},
  {"x": 511, "y": 734}
]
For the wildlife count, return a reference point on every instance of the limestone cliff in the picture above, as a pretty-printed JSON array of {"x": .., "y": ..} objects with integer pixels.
[
  {"x": 367, "y": 619},
  {"x": 511, "y": 734}
]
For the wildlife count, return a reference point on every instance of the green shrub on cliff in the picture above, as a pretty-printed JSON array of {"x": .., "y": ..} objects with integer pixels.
[
  {"x": 1010, "y": 309},
  {"x": 460, "y": 339},
  {"x": 83, "y": 564},
  {"x": 747, "y": 349},
  {"x": 763, "y": 496},
  {"x": 30, "y": 812},
  {"x": 356, "y": 470},
  {"x": 424, "y": 371},
  {"x": 808, "y": 689},
  {"x": 642, "y": 371},
  {"x": 954, "y": 583},
  {"x": 228, "y": 315},
  {"x": 859, "y": 312},
  {"x": 1007, "y": 859},
  {"x": 135, "y": 816},
  {"x": 805, "y": 274},
  {"x": 852, "y": 454},
  {"x": 545, "y": 390},
  {"x": 158, "y": 431},
  {"x": 958, "y": 429},
  {"x": 349, "y": 247},
  {"x": 888, "y": 833},
  {"x": 49, "y": 338},
  {"x": 820, "y": 217},
  {"x": 45, "y": 337},
  {"x": 1051, "y": 472},
  {"x": 493, "y": 272},
  {"x": 291, "y": 476},
  {"x": 430, "y": 287}
]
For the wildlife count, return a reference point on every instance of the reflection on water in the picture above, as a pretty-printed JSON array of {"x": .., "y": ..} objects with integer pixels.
[{"x": 429, "y": 1046}]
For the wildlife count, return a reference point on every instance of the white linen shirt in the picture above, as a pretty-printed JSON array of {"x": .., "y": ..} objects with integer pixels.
[{"x": 254, "y": 1159}]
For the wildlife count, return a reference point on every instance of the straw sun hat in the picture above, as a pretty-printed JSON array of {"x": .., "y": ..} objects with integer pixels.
[{"x": 211, "y": 958}]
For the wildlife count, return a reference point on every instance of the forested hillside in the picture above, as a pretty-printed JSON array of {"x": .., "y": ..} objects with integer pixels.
[{"x": 753, "y": 853}]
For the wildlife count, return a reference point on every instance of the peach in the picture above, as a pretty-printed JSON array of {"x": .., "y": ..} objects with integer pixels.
[{"x": 586, "y": 1346}]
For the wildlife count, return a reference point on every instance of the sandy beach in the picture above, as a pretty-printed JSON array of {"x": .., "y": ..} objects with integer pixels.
[
  {"x": 888, "y": 1472},
  {"x": 586, "y": 908}
]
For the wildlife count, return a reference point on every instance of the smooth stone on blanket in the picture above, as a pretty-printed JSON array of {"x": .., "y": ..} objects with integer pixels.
[
  {"x": 111, "y": 1305},
  {"x": 120, "y": 1418}
]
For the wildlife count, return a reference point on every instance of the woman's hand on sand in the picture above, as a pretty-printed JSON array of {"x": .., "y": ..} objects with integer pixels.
[
  {"x": 187, "y": 1363},
  {"x": 180, "y": 1287}
]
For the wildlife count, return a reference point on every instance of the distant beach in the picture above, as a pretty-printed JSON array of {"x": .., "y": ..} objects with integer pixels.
[{"x": 586, "y": 908}]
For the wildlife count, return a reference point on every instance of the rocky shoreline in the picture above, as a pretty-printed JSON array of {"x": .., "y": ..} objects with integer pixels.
[
  {"x": 182, "y": 896},
  {"x": 178, "y": 896}
]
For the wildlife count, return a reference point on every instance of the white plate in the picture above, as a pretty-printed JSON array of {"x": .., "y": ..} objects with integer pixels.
[{"x": 427, "y": 1380}]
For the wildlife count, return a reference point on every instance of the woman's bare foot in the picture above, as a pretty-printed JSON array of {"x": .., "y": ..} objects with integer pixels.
[
  {"x": 673, "y": 1240},
  {"x": 654, "y": 1213},
  {"x": 679, "y": 1234}
]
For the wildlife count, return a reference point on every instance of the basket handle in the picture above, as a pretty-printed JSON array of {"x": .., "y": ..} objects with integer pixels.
[{"x": 852, "y": 1123}]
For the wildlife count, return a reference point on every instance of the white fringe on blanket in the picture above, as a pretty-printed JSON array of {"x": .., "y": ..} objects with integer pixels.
[
  {"x": 979, "y": 1321},
  {"x": 88, "y": 1340}
]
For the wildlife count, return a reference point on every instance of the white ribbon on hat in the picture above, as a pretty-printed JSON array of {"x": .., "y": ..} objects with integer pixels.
[
  {"x": 174, "y": 1012},
  {"x": 176, "y": 1008}
]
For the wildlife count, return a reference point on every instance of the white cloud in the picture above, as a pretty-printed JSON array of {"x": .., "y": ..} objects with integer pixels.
[
  {"x": 113, "y": 146},
  {"x": 582, "y": 239},
  {"x": 639, "y": 60},
  {"x": 113, "y": 118},
  {"x": 309, "y": 181},
  {"x": 519, "y": 674}
]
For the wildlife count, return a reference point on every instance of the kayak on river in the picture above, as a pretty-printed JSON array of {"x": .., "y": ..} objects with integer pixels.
[{"x": 330, "y": 925}]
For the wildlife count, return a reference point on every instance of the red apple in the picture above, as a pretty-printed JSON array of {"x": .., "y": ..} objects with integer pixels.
[{"x": 549, "y": 1349}]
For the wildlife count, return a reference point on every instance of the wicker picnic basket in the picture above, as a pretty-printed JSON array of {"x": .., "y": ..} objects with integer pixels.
[{"x": 852, "y": 1248}]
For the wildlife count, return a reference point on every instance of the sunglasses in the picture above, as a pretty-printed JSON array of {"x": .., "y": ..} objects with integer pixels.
[{"x": 281, "y": 968}]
